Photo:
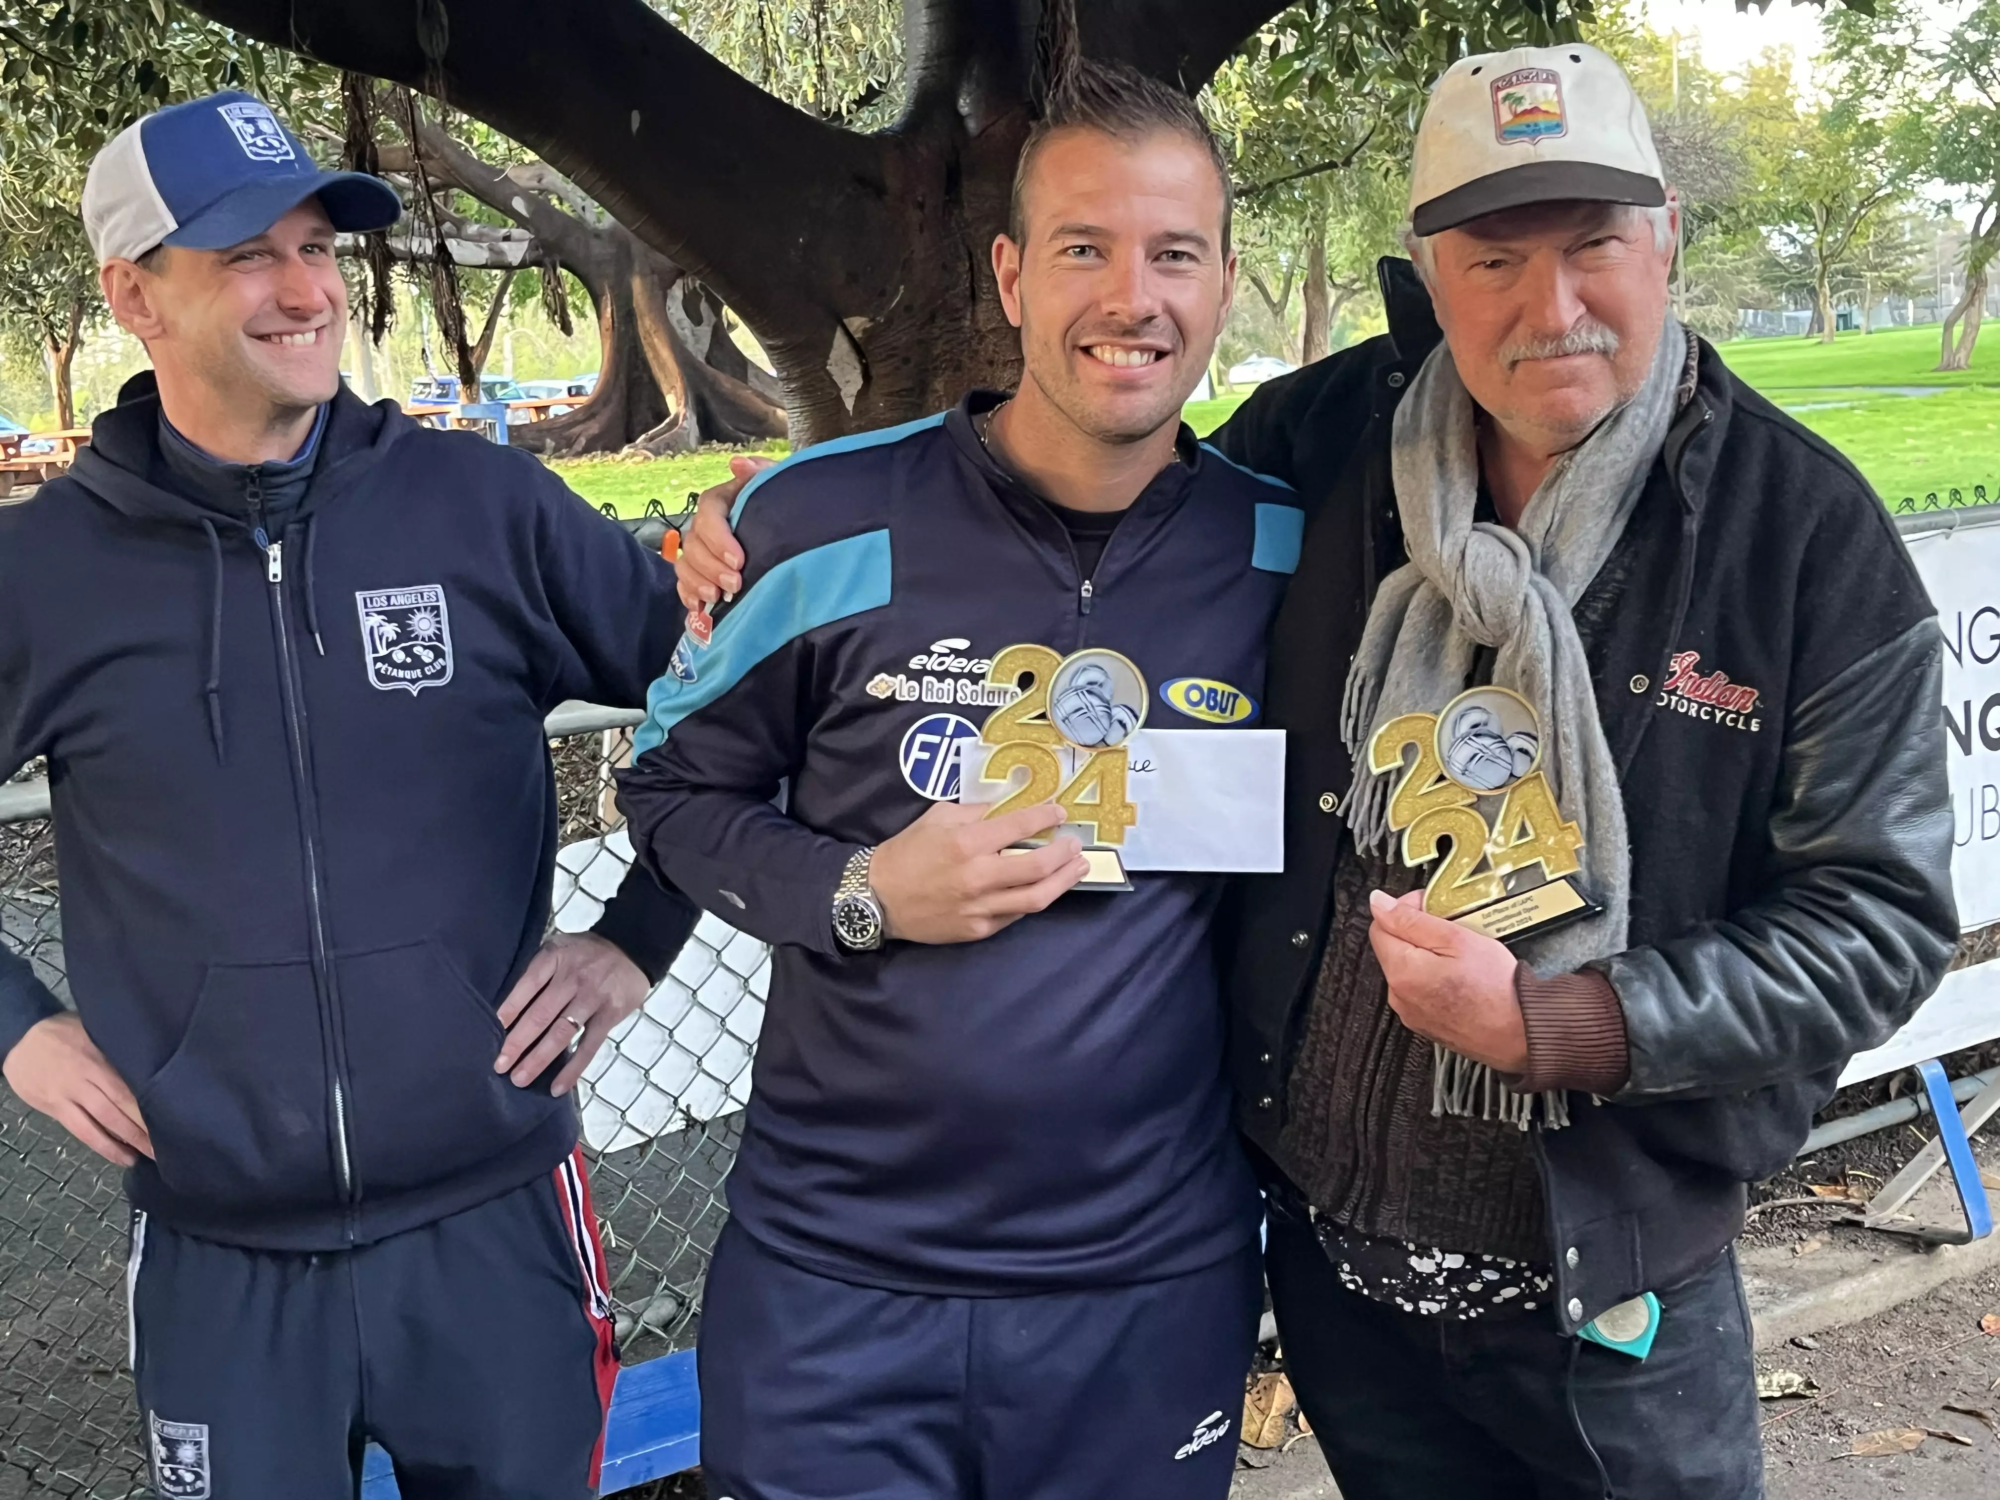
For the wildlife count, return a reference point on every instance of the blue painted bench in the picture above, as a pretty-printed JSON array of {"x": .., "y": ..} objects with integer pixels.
[{"x": 654, "y": 1430}]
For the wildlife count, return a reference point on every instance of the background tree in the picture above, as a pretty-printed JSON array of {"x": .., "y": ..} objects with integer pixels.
[
  {"x": 1887, "y": 261},
  {"x": 670, "y": 377},
  {"x": 1965, "y": 154},
  {"x": 1817, "y": 172},
  {"x": 857, "y": 258}
]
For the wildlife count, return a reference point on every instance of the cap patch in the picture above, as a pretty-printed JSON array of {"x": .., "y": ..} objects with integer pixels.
[
  {"x": 1528, "y": 106},
  {"x": 258, "y": 132}
]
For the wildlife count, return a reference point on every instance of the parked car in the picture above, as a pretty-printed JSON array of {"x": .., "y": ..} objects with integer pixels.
[
  {"x": 583, "y": 385},
  {"x": 1259, "y": 368},
  {"x": 442, "y": 390}
]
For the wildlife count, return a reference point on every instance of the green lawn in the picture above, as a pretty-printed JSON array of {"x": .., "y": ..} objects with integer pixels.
[
  {"x": 628, "y": 483},
  {"x": 1895, "y": 356},
  {"x": 1906, "y": 445},
  {"x": 1910, "y": 445}
]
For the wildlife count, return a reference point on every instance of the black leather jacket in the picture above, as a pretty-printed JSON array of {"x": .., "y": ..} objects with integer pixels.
[{"x": 1790, "y": 823}]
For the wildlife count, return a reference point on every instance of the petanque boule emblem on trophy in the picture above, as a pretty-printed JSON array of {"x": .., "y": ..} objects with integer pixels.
[
  {"x": 1068, "y": 729},
  {"x": 1475, "y": 785}
]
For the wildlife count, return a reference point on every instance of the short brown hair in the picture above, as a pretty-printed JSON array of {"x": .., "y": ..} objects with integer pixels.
[{"x": 1118, "y": 101}]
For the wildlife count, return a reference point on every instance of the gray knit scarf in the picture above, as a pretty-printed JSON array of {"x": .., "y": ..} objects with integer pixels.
[{"x": 1470, "y": 584}]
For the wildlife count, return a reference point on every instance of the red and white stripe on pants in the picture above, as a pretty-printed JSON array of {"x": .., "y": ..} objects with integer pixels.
[{"x": 573, "y": 1193}]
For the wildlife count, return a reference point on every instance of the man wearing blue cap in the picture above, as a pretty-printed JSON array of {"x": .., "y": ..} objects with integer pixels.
[{"x": 287, "y": 657}]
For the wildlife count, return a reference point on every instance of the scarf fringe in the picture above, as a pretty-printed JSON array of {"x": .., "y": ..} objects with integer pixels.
[{"x": 1471, "y": 1090}]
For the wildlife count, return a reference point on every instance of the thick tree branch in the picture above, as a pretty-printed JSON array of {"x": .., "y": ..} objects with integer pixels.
[
  {"x": 1184, "y": 41},
  {"x": 1276, "y": 304},
  {"x": 467, "y": 255},
  {"x": 613, "y": 96}
]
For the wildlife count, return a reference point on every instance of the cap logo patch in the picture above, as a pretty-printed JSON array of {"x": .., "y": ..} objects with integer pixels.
[
  {"x": 257, "y": 131},
  {"x": 1528, "y": 106}
]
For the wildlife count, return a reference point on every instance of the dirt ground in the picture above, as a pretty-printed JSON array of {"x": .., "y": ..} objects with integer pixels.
[{"x": 1902, "y": 1370}]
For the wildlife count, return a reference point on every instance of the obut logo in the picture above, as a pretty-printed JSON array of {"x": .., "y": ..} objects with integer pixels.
[{"x": 1208, "y": 700}]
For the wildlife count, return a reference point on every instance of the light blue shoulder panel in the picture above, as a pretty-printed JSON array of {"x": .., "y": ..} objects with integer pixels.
[
  {"x": 1281, "y": 531},
  {"x": 848, "y": 444},
  {"x": 801, "y": 593}
]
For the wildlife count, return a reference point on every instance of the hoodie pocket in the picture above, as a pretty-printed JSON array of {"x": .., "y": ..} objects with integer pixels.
[
  {"x": 238, "y": 1115},
  {"x": 425, "y": 1103}
]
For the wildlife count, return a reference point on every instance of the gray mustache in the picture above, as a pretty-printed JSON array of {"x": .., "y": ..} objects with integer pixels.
[{"x": 1589, "y": 337}]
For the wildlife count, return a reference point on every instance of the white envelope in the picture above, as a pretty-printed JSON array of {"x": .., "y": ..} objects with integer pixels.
[{"x": 1208, "y": 799}]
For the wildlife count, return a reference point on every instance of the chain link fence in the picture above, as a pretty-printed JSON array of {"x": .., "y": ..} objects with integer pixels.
[{"x": 661, "y": 1108}]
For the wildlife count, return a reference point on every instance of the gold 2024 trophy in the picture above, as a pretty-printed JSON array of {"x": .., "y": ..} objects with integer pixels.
[
  {"x": 1485, "y": 748},
  {"x": 1068, "y": 730}
]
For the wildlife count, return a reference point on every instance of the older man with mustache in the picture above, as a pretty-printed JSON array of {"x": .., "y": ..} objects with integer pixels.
[{"x": 1503, "y": 1180}]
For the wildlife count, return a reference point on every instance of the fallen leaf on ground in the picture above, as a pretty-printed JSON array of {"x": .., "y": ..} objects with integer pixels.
[
  {"x": 1887, "y": 1443},
  {"x": 1951, "y": 1437},
  {"x": 1305, "y": 1427},
  {"x": 1978, "y": 1413},
  {"x": 1808, "y": 1247},
  {"x": 1827, "y": 1189},
  {"x": 1265, "y": 1406},
  {"x": 1990, "y": 1323},
  {"x": 1775, "y": 1384}
]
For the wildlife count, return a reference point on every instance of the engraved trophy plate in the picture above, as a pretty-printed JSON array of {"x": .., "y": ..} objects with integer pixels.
[
  {"x": 1475, "y": 800},
  {"x": 1068, "y": 730}
]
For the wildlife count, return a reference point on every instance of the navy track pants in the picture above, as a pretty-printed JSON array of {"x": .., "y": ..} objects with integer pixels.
[
  {"x": 477, "y": 1350},
  {"x": 814, "y": 1389}
]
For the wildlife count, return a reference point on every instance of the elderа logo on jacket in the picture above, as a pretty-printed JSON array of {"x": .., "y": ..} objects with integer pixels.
[{"x": 1711, "y": 697}]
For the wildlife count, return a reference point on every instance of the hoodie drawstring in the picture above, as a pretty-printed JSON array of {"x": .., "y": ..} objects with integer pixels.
[
  {"x": 312, "y": 597},
  {"x": 212, "y": 689}
]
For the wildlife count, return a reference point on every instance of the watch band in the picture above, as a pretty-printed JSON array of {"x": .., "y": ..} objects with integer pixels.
[
  {"x": 854, "y": 879},
  {"x": 859, "y": 923}
]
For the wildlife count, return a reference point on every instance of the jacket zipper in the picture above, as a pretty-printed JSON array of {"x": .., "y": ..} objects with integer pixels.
[{"x": 274, "y": 573}]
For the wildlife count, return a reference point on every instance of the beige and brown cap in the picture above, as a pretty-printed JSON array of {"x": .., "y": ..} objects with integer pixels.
[{"x": 1530, "y": 126}]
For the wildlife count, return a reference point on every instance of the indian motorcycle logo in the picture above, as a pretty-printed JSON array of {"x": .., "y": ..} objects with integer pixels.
[{"x": 1710, "y": 697}]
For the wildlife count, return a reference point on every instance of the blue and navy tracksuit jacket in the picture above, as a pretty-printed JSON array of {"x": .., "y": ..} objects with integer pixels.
[
  {"x": 1045, "y": 1109},
  {"x": 304, "y": 811}
]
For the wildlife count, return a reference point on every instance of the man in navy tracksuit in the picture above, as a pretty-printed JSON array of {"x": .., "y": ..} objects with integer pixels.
[
  {"x": 287, "y": 657},
  {"x": 991, "y": 1235}
]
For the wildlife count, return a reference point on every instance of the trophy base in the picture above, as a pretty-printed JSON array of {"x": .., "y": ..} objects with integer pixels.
[
  {"x": 1106, "y": 870},
  {"x": 1512, "y": 917}
]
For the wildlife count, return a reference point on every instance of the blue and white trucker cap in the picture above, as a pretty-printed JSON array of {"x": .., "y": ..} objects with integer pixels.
[{"x": 212, "y": 173}]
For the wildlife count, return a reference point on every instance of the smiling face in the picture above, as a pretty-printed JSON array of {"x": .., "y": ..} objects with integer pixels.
[
  {"x": 253, "y": 331},
  {"x": 1121, "y": 279},
  {"x": 1553, "y": 313}
]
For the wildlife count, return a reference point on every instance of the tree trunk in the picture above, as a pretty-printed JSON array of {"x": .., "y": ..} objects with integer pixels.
[
  {"x": 1867, "y": 305},
  {"x": 364, "y": 358},
  {"x": 859, "y": 260},
  {"x": 1956, "y": 352},
  {"x": 1313, "y": 338},
  {"x": 1823, "y": 301},
  {"x": 483, "y": 350},
  {"x": 652, "y": 391},
  {"x": 61, "y": 353}
]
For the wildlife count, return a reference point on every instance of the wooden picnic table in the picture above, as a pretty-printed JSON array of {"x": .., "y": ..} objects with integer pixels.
[{"x": 20, "y": 470}]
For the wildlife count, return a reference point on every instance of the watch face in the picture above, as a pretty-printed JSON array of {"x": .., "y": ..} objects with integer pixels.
[{"x": 856, "y": 923}]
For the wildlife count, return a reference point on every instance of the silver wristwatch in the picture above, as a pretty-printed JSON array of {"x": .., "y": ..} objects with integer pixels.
[{"x": 857, "y": 914}]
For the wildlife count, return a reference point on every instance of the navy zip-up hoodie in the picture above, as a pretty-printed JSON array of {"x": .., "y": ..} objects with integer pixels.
[
  {"x": 303, "y": 807},
  {"x": 1046, "y": 1108}
]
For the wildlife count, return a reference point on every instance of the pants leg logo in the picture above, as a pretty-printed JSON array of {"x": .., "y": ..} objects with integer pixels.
[
  {"x": 180, "y": 1459},
  {"x": 1212, "y": 1428}
]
